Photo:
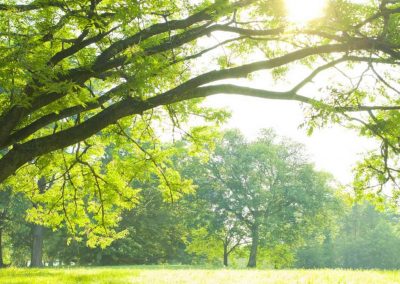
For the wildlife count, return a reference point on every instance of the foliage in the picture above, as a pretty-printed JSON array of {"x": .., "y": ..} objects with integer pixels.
[
  {"x": 155, "y": 232},
  {"x": 16, "y": 230},
  {"x": 154, "y": 235},
  {"x": 262, "y": 193},
  {"x": 367, "y": 239},
  {"x": 78, "y": 78}
]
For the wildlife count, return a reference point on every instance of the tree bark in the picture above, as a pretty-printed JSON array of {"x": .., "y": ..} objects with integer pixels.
[
  {"x": 1, "y": 248},
  {"x": 254, "y": 247},
  {"x": 37, "y": 246},
  {"x": 38, "y": 234},
  {"x": 226, "y": 255}
]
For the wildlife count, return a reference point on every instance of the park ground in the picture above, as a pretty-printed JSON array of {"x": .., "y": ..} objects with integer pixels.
[{"x": 178, "y": 274}]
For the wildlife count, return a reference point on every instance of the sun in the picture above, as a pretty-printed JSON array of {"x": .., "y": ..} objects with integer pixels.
[{"x": 303, "y": 11}]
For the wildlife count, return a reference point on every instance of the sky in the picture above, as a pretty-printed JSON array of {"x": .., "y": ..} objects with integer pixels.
[{"x": 333, "y": 149}]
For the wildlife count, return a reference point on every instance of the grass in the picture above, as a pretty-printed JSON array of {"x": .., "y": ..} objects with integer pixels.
[{"x": 177, "y": 274}]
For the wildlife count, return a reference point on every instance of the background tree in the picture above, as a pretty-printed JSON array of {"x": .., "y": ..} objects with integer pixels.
[
  {"x": 5, "y": 197},
  {"x": 17, "y": 231},
  {"x": 367, "y": 238},
  {"x": 38, "y": 230},
  {"x": 155, "y": 233},
  {"x": 213, "y": 232},
  {"x": 155, "y": 229},
  {"x": 265, "y": 190}
]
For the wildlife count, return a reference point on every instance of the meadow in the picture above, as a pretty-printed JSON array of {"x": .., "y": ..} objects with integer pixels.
[{"x": 178, "y": 274}]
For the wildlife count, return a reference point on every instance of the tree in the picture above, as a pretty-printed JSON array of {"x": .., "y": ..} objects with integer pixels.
[
  {"x": 16, "y": 231},
  {"x": 366, "y": 239},
  {"x": 369, "y": 239},
  {"x": 263, "y": 191},
  {"x": 38, "y": 229},
  {"x": 75, "y": 75},
  {"x": 5, "y": 197},
  {"x": 155, "y": 229},
  {"x": 213, "y": 233}
]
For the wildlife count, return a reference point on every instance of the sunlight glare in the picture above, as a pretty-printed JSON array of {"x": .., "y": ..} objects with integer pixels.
[{"x": 303, "y": 11}]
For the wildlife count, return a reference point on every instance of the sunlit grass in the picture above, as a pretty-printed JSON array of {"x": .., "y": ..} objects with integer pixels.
[{"x": 176, "y": 274}]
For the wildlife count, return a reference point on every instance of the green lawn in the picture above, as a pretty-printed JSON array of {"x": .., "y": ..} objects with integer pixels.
[{"x": 172, "y": 274}]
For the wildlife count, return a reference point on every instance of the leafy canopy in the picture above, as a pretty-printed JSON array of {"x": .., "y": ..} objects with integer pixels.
[{"x": 88, "y": 87}]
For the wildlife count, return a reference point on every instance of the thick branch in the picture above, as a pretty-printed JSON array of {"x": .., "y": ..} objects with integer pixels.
[
  {"x": 271, "y": 95},
  {"x": 244, "y": 70},
  {"x": 53, "y": 117},
  {"x": 23, "y": 153},
  {"x": 35, "y": 5},
  {"x": 78, "y": 46}
]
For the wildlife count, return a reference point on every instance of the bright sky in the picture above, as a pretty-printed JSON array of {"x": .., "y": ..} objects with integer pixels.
[
  {"x": 301, "y": 11},
  {"x": 333, "y": 149}
]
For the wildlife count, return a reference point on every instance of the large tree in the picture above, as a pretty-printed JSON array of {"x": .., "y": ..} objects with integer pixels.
[{"x": 72, "y": 70}]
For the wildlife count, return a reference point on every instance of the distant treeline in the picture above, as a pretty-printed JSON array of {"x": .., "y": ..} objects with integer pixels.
[{"x": 258, "y": 203}]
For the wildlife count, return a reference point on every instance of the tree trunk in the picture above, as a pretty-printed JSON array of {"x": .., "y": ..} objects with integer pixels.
[
  {"x": 1, "y": 248},
  {"x": 37, "y": 246},
  {"x": 254, "y": 246},
  {"x": 225, "y": 255},
  {"x": 38, "y": 233}
]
